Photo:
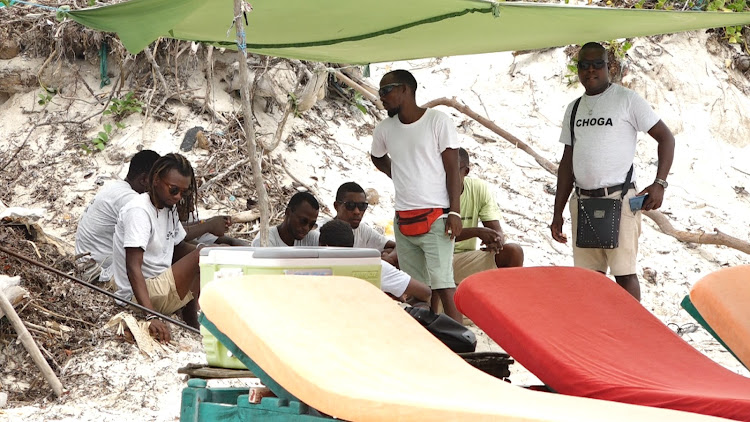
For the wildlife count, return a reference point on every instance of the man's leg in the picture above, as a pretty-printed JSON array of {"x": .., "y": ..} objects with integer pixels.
[
  {"x": 622, "y": 260},
  {"x": 186, "y": 273},
  {"x": 438, "y": 253},
  {"x": 630, "y": 283},
  {"x": 511, "y": 255}
]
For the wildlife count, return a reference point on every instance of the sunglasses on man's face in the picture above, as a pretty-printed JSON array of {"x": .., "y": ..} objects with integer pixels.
[
  {"x": 386, "y": 89},
  {"x": 586, "y": 64},
  {"x": 174, "y": 190},
  {"x": 350, "y": 206}
]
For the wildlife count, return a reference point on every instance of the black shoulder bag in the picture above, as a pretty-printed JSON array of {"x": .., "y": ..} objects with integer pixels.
[{"x": 598, "y": 218}]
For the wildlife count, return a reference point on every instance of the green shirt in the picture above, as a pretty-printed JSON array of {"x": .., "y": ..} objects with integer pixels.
[{"x": 477, "y": 204}]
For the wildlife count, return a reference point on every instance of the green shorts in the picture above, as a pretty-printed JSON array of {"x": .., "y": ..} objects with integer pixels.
[{"x": 427, "y": 257}]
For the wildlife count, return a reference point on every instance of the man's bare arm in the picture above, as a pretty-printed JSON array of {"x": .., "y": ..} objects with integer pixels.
[
  {"x": 564, "y": 188},
  {"x": 383, "y": 164},
  {"x": 661, "y": 133},
  {"x": 453, "y": 224}
]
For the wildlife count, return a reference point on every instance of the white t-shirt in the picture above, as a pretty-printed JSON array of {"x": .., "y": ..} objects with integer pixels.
[
  {"x": 311, "y": 239},
  {"x": 606, "y": 137},
  {"x": 97, "y": 225},
  {"x": 393, "y": 280},
  {"x": 366, "y": 237},
  {"x": 416, "y": 164},
  {"x": 157, "y": 232}
]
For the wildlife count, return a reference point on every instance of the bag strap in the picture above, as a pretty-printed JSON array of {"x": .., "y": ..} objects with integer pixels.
[{"x": 573, "y": 136}]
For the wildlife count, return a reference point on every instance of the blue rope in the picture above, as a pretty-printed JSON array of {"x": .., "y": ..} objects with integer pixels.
[{"x": 54, "y": 9}]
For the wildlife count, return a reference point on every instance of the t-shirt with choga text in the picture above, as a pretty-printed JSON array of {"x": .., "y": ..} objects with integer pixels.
[{"x": 606, "y": 133}]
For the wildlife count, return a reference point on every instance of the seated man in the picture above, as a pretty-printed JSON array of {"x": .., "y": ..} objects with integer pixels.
[
  {"x": 392, "y": 280},
  {"x": 152, "y": 263},
  {"x": 296, "y": 229},
  {"x": 351, "y": 204},
  {"x": 97, "y": 225},
  {"x": 477, "y": 203}
]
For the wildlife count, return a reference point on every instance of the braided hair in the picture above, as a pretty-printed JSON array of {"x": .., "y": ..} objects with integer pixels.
[{"x": 189, "y": 202}]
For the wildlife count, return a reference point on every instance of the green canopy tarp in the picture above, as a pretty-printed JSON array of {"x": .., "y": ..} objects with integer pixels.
[{"x": 371, "y": 31}]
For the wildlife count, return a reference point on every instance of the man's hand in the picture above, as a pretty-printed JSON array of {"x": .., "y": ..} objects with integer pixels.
[
  {"x": 655, "y": 198},
  {"x": 556, "y": 228},
  {"x": 491, "y": 239},
  {"x": 218, "y": 225},
  {"x": 453, "y": 226},
  {"x": 159, "y": 331}
]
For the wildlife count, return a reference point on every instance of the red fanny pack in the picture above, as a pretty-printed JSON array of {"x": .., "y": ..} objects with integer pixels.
[{"x": 416, "y": 222}]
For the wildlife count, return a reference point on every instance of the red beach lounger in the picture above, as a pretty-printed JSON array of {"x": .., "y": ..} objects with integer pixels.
[{"x": 583, "y": 335}]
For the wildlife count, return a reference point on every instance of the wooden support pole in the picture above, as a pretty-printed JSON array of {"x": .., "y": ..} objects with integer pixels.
[
  {"x": 252, "y": 149},
  {"x": 30, "y": 345}
]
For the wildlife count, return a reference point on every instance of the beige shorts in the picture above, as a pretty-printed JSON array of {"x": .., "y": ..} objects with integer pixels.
[
  {"x": 621, "y": 260},
  {"x": 471, "y": 262},
  {"x": 163, "y": 293}
]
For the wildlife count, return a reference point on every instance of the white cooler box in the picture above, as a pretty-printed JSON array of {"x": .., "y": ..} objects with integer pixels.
[{"x": 230, "y": 262}]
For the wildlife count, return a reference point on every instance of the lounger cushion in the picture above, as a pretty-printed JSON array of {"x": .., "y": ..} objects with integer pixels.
[
  {"x": 583, "y": 335},
  {"x": 723, "y": 300},
  {"x": 343, "y": 347}
]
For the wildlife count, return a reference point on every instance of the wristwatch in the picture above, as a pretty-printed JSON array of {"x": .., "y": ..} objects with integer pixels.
[{"x": 661, "y": 182}]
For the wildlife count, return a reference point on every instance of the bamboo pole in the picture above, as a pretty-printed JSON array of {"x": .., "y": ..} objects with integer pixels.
[
  {"x": 30, "y": 345},
  {"x": 252, "y": 149}
]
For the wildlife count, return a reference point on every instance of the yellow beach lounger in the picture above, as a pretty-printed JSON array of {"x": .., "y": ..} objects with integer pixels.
[
  {"x": 343, "y": 348},
  {"x": 720, "y": 301}
]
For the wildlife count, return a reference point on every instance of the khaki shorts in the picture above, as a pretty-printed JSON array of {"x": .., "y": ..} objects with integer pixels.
[
  {"x": 621, "y": 260},
  {"x": 163, "y": 293},
  {"x": 471, "y": 262}
]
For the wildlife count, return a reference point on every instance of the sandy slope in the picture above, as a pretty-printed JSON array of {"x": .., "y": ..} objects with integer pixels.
[{"x": 691, "y": 88}]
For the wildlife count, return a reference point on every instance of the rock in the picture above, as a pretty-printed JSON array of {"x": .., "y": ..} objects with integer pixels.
[
  {"x": 742, "y": 63},
  {"x": 649, "y": 274},
  {"x": 9, "y": 49},
  {"x": 191, "y": 136},
  {"x": 373, "y": 197},
  {"x": 201, "y": 141}
]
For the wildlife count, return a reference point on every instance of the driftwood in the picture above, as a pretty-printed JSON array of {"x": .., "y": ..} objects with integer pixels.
[
  {"x": 717, "y": 238},
  {"x": 28, "y": 342},
  {"x": 246, "y": 216},
  {"x": 463, "y": 108},
  {"x": 207, "y": 372},
  {"x": 359, "y": 88}
]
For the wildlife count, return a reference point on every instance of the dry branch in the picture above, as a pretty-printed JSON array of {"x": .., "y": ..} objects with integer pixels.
[
  {"x": 28, "y": 342},
  {"x": 452, "y": 102},
  {"x": 357, "y": 87},
  {"x": 222, "y": 175},
  {"x": 246, "y": 216},
  {"x": 717, "y": 238}
]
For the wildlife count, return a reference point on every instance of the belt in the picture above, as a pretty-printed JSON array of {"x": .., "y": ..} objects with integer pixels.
[{"x": 601, "y": 192}]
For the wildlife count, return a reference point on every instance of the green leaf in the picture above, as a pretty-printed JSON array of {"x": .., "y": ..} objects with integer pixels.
[
  {"x": 361, "y": 108},
  {"x": 108, "y": 128},
  {"x": 120, "y": 125},
  {"x": 101, "y": 147}
]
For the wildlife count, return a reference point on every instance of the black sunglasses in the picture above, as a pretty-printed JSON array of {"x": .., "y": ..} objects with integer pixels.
[
  {"x": 351, "y": 205},
  {"x": 174, "y": 190},
  {"x": 386, "y": 89},
  {"x": 586, "y": 64}
]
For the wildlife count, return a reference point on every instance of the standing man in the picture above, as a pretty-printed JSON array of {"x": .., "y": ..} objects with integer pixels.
[
  {"x": 297, "y": 228},
  {"x": 97, "y": 225},
  {"x": 606, "y": 126},
  {"x": 152, "y": 264},
  {"x": 478, "y": 204},
  {"x": 418, "y": 149}
]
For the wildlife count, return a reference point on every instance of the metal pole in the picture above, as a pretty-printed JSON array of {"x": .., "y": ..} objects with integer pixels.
[{"x": 100, "y": 290}]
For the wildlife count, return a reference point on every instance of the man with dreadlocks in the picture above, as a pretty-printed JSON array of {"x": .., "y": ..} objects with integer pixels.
[{"x": 152, "y": 263}]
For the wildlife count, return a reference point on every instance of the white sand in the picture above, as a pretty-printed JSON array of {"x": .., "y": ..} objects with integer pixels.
[{"x": 696, "y": 95}]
